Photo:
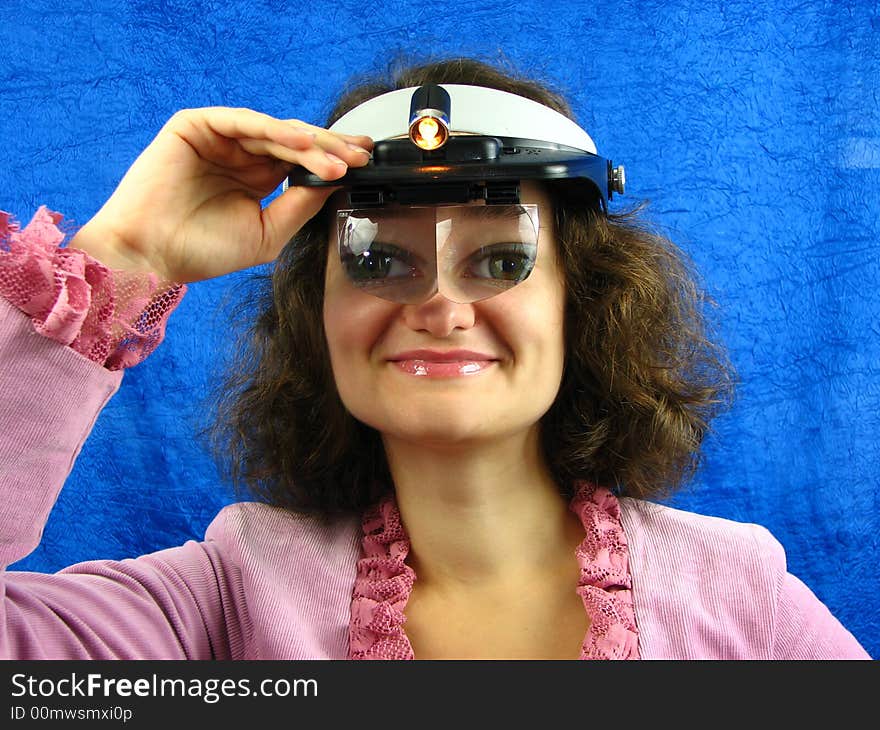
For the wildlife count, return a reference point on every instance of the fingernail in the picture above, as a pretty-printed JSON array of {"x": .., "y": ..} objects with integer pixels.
[
  {"x": 357, "y": 149},
  {"x": 335, "y": 159}
]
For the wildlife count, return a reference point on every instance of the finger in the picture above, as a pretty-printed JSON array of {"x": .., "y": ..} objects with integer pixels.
[
  {"x": 289, "y": 212},
  {"x": 242, "y": 123},
  {"x": 351, "y": 152},
  {"x": 316, "y": 159},
  {"x": 353, "y": 156},
  {"x": 359, "y": 140}
]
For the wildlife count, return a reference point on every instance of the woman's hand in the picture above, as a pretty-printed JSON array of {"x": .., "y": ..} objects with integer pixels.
[{"x": 189, "y": 207}]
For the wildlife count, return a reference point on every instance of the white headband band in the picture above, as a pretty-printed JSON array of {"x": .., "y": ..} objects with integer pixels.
[{"x": 475, "y": 110}]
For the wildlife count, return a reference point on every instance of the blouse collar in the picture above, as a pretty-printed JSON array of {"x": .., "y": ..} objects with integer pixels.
[{"x": 384, "y": 581}]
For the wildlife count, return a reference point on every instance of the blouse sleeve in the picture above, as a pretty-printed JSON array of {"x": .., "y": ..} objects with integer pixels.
[
  {"x": 179, "y": 603},
  {"x": 62, "y": 316},
  {"x": 115, "y": 318},
  {"x": 806, "y": 628}
]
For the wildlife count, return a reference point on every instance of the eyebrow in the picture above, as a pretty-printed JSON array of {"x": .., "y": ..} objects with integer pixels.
[{"x": 493, "y": 212}]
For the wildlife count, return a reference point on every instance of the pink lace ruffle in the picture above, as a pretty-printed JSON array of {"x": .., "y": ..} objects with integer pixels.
[
  {"x": 384, "y": 582},
  {"x": 115, "y": 318},
  {"x": 605, "y": 585},
  {"x": 382, "y": 588}
]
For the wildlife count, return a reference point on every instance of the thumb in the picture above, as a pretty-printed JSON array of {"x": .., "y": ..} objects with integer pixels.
[{"x": 289, "y": 212}]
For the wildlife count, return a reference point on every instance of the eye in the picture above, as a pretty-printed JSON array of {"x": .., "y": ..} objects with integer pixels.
[
  {"x": 380, "y": 261},
  {"x": 503, "y": 262}
]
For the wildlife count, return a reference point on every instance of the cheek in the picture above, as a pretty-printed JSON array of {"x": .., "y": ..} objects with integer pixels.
[
  {"x": 353, "y": 322},
  {"x": 531, "y": 317}
]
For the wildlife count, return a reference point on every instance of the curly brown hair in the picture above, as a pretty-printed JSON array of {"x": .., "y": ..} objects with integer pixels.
[{"x": 642, "y": 379}]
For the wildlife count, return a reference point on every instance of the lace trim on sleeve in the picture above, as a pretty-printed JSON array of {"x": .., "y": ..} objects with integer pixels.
[{"x": 112, "y": 317}]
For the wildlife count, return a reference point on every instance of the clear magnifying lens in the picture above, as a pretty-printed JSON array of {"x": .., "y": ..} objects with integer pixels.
[{"x": 466, "y": 252}]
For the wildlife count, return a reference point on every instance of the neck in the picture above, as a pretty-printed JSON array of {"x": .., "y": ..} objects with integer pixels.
[{"x": 482, "y": 516}]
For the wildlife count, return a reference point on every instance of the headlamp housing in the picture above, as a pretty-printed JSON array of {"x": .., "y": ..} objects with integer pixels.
[
  {"x": 429, "y": 117},
  {"x": 424, "y": 155}
]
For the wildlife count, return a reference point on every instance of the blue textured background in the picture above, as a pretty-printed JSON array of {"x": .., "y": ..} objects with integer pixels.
[{"x": 752, "y": 128}]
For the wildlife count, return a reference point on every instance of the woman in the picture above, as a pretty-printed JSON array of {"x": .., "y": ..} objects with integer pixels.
[{"x": 437, "y": 478}]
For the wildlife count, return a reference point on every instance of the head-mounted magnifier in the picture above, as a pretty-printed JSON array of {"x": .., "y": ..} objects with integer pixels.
[{"x": 438, "y": 206}]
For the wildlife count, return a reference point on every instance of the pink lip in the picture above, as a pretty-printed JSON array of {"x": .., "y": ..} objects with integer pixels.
[
  {"x": 437, "y": 356},
  {"x": 435, "y": 364}
]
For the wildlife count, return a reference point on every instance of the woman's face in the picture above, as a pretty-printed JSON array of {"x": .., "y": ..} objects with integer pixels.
[{"x": 443, "y": 372}]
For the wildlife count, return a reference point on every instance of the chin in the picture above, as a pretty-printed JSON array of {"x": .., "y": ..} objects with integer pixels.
[
  {"x": 448, "y": 427},
  {"x": 443, "y": 417}
]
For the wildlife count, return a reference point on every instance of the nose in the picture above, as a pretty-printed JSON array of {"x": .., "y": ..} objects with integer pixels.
[{"x": 439, "y": 316}]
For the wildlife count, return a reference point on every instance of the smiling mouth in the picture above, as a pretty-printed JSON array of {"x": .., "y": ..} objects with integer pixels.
[
  {"x": 447, "y": 369},
  {"x": 453, "y": 364}
]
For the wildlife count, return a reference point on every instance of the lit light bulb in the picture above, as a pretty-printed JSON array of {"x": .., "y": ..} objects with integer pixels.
[
  {"x": 429, "y": 132},
  {"x": 428, "y": 129}
]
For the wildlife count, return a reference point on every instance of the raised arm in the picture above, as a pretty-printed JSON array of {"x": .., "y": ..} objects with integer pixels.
[{"x": 206, "y": 173}]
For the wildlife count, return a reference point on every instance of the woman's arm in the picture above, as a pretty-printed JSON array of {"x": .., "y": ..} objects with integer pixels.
[
  {"x": 174, "y": 604},
  {"x": 806, "y": 628},
  {"x": 206, "y": 174}
]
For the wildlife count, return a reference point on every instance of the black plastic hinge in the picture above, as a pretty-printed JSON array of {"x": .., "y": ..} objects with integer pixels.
[
  {"x": 366, "y": 197},
  {"x": 506, "y": 193}
]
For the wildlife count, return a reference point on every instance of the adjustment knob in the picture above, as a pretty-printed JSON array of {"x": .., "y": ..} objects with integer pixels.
[{"x": 618, "y": 179}]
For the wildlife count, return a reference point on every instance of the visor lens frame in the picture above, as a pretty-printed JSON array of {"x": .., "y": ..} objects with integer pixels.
[{"x": 468, "y": 253}]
